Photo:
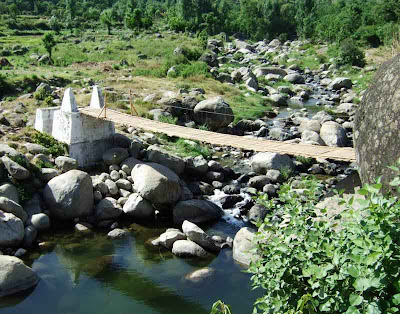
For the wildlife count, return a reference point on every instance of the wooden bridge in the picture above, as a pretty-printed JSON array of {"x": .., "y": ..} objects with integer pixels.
[{"x": 245, "y": 143}]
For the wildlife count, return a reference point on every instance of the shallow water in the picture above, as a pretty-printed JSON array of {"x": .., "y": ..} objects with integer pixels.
[{"x": 94, "y": 274}]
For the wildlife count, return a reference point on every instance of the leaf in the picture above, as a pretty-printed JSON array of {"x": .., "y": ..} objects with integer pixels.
[
  {"x": 352, "y": 310},
  {"x": 396, "y": 299},
  {"x": 355, "y": 299},
  {"x": 353, "y": 271},
  {"x": 362, "y": 284},
  {"x": 363, "y": 191}
]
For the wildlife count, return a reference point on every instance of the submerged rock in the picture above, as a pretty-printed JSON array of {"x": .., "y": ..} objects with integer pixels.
[{"x": 185, "y": 248}]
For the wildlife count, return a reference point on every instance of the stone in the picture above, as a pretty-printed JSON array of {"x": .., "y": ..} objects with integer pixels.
[
  {"x": 107, "y": 208},
  {"x": 20, "y": 252},
  {"x": 7, "y": 150},
  {"x": 310, "y": 125},
  {"x": 135, "y": 148},
  {"x": 46, "y": 174},
  {"x": 69, "y": 195},
  {"x": 33, "y": 206},
  {"x": 115, "y": 156},
  {"x": 257, "y": 212},
  {"x": 196, "y": 211},
  {"x": 114, "y": 175},
  {"x": 158, "y": 155},
  {"x": 197, "y": 235},
  {"x": 9, "y": 191},
  {"x": 14, "y": 169},
  {"x": 214, "y": 176},
  {"x": 124, "y": 184},
  {"x": 215, "y": 166},
  {"x": 262, "y": 71},
  {"x": 15, "y": 276},
  {"x": 185, "y": 248},
  {"x": 322, "y": 117},
  {"x": 11, "y": 230},
  {"x": 294, "y": 78},
  {"x": 128, "y": 164},
  {"x": 9, "y": 206},
  {"x": 168, "y": 238},
  {"x": 122, "y": 140},
  {"x": 258, "y": 182},
  {"x": 118, "y": 233},
  {"x": 270, "y": 189},
  {"x": 262, "y": 162},
  {"x": 200, "y": 276},
  {"x": 138, "y": 207},
  {"x": 112, "y": 187},
  {"x": 377, "y": 125},
  {"x": 100, "y": 186},
  {"x": 333, "y": 134},
  {"x": 340, "y": 82},
  {"x": 196, "y": 165},
  {"x": 40, "y": 221},
  {"x": 275, "y": 176},
  {"x": 156, "y": 183},
  {"x": 83, "y": 227},
  {"x": 66, "y": 164},
  {"x": 278, "y": 100},
  {"x": 214, "y": 112},
  {"x": 35, "y": 148},
  {"x": 243, "y": 244},
  {"x": 312, "y": 138}
]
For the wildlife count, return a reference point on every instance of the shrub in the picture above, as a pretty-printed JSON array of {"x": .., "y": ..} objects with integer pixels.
[
  {"x": 347, "y": 264},
  {"x": 169, "y": 120},
  {"x": 350, "y": 54},
  {"x": 55, "y": 147}
]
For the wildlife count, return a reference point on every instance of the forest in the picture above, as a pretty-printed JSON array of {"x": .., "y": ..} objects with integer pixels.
[{"x": 369, "y": 22}]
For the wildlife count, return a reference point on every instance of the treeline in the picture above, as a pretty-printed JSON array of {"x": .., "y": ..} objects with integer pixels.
[{"x": 371, "y": 22}]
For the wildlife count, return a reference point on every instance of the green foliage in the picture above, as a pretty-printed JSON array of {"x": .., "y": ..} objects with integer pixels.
[
  {"x": 25, "y": 193},
  {"x": 169, "y": 120},
  {"x": 55, "y": 147},
  {"x": 307, "y": 161},
  {"x": 350, "y": 54},
  {"x": 4, "y": 85},
  {"x": 286, "y": 172},
  {"x": 41, "y": 94},
  {"x": 107, "y": 19},
  {"x": 220, "y": 307},
  {"x": 185, "y": 148},
  {"x": 49, "y": 43},
  {"x": 349, "y": 263},
  {"x": 21, "y": 160}
]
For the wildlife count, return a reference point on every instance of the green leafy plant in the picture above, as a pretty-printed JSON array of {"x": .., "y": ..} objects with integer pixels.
[
  {"x": 349, "y": 263},
  {"x": 169, "y": 120},
  {"x": 286, "y": 172},
  {"x": 350, "y": 54},
  {"x": 49, "y": 43},
  {"x": 220, "y": 307},
  {"x": 305, "y": 160},
  {"x": 55, "y": 147}
]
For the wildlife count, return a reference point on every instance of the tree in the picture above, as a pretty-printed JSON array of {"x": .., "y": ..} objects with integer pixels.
[
  {"x": 49, "y": 43},
  {"x": 55, "y": 24},
  {"x": 106, "y": 18},
  {"x": 13, "y": 11},
  {"x": 134, "y": 21}
]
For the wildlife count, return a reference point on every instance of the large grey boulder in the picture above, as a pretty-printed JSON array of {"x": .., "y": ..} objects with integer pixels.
[
  {"x": 138, "y": 207},
  {"x": 9, "y": 206},
  {"x": 340, "y": 82},
  {"x": 257, "y": 212},
  {"x": 377, "y": 125},
  {"x": 262, "y": 71},
  {"x": 128, "y": 164},
  {"x": 69, "y": 195},
  {"x": 196, "y": 166},
  {"x": 294, "y": 78},
  {"x": 115, "y": 156},
  {"x": 158, "y": 155},
  {"x": 15, "y": 276},
  {"x": 107, "y": 208},
  {"x": 185, "y": 248},
  {"x": 243, "y": 245},
  {"x": 9, "y": 191},
  {"x": 14, "y": 169},
  {"x": 262, "y": 162},
  {"x": 310, "y": 125},
  {"x": 197, "y": 235},
  {"x": 156, "y": 183},
  {"x": 214, "y": 112},
  {"x": 11, "y": 230},
  {"x": 7, "y": 150},
  {"x": 196, "y": 211},
  {"x": 333, "y": 134},
  {"x": 40, "y": 221},
  {"x": 311, "y": 137}
]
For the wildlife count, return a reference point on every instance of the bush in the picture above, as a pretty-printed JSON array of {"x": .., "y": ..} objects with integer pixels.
[
  {"x": 347, "y": 264},
  {"x": 55, "y": 147},
  {"x": 350, "y": 54}
]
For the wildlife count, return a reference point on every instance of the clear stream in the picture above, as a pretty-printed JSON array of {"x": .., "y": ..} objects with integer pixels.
[{"x": 94, "y": 274}]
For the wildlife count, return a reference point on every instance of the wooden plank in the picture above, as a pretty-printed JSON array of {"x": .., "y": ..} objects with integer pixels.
[{"x": 245, "y": 143}]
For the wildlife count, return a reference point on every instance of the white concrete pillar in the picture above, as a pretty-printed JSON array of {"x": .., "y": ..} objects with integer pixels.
[
  {"x": 97, "y": 101},
  {"x": 69, "y": 102}
]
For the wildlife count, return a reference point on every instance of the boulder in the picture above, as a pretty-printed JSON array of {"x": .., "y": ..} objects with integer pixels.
[
  {"x": 257, "y": 212},
  {"x": 115, "y": 156},
  {"x": 9, "y": 191},
  {"x": 122, "y": 140},
  {"x": 128, "y": 164},
  {"x": 262, "y": 71},
  {"x": 158, "y": 155},
  {"x": 40, "y": 221},
  {"x": 262, "y": 162},
  {"x": 30, "y": 236},
  {"x": 15, "y": 276},
  {"x": 377, "y": 125},
  {"x": 7, "y": 150},
  {"x": 196, "y": 166},
  {"x": 243, "y": 244},
  {"x": 200, "y": 276},
  {"x": 258, "y": 182},
  {"x": 275, "y": 176},
  {"x": 169, "y": 237},
  {"x": 156, "y": 183},
  {"x": 197, "y": 235},
  {"x": 11, "y": 230},
  {"x": 135, "y": 148},
  {"x": 35, "y": 148},
  {"x": 294, "y": 78},
  {"x": 185, "y": 248},
  {"x": 214, "y": 112},
  {"x": 66, "y": 164},
  {"x": 107, "y": 208},
  {"x": 69, "y": 195},
  {"x": 333, "y": 134},
  {"x": 46, "y": 174},
  {"x": 138, "y": 207},
  {"x": 196, "y": 211},
  {"x": 311, "y": 137},
  {"x": 340, "y": 82},
  {"x": 310, "y": 125},
  {"x": 9, "y": 206},
  {"x": 278, "y": 100},
  {"x": 14, "y": 169},
  {"x": 118, "y": 233}
]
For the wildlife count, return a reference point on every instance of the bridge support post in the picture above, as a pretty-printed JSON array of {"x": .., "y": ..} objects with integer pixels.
[{"x": 87, "y": 137}]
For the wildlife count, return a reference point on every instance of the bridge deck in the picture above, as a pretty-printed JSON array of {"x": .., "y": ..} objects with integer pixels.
[{"x": 245, "y": 143}]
